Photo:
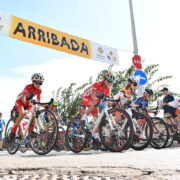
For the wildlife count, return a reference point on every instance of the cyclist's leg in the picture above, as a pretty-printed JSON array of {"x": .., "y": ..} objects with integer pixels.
[
  {"x": 87, "y": 102},
  {"x": 18, "y": 120}
]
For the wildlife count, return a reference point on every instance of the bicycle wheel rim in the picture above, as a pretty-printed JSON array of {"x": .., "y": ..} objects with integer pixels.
[
  {"x": 119, "y": 138},
  {"x": 46, "y": 133}
]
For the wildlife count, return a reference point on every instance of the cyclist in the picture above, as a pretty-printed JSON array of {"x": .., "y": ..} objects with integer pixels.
[
  {"x": 143, "y": 101},
  {"x": 23, "y": 103},
  {"x": 167, "y": 104},
  {"x": 126, "y": 94},
  {"x": 94, "y": 95},
  {"x": 55, "y": 109}
]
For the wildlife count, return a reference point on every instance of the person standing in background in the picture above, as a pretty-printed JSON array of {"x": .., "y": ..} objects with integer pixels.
[{"x": 2, "y": 126}]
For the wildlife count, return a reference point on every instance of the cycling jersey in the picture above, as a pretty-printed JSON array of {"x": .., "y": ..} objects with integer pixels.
[
  {"x": 29, "y": 91},
  {"x": 142, "y": 102},
  {"x": 124, "y": 95},
  {"x": 96, "y": 87},
  {"x": 127, "y": 92}
]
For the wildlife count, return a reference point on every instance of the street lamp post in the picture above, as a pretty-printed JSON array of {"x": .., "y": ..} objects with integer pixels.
[{"x": 140, "y": 88}]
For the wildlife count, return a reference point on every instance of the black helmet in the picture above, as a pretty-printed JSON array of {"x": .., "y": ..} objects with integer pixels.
[
  {"x": 109, "y": 76},
  {"x": 149, "y": 91}
]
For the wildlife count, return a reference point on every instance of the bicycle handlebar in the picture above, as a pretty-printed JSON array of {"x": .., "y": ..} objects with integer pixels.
[{"x": 34, "y": 102}]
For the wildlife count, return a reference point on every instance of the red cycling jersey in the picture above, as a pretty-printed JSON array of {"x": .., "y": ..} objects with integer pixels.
[
  {"x": 29, "y": 91},
  {"x": 96, "y": 87}
]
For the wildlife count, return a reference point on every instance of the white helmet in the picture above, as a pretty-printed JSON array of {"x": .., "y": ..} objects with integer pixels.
[
  {"x": 132, "y": 79},
  {"x": 37, "y": 77}
]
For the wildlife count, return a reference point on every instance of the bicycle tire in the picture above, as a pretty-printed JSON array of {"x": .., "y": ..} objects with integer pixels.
[
  {"x": 118, "y": 139},
  {"x": 163, "y": 136},
  {"x": 75, "y": 137},
  {"x": 137, "y": 143},
  {"x": 171, "y": 136},
  {"x": 60, "y": 141},
  {"x": 8, "y": 143},
  {"x": 46, "y": 132}
]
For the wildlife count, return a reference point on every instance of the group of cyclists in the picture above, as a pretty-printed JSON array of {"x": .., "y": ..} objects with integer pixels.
[{"x": 91, "y": 98}]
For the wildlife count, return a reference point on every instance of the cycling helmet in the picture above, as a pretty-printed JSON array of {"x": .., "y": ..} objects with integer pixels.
[
  {"x": 56, "y": 103},
  {"x": 37, "y": 77},
  {"x": 109, "y": 76},
  {"x": 149, "y": 91},
  {"x": 132, "y": 80}
]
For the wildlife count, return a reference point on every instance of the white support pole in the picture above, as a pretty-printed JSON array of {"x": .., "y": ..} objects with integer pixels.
[{"x": 140, "y": 88}]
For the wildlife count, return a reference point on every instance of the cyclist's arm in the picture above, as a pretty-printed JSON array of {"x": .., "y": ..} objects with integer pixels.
[{"x": 23, "y": 98}]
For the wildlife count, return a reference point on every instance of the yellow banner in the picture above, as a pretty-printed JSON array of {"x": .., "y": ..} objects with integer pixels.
[
  {"x": 41, "y": 35},
  {"x": 34, "y": 33}
]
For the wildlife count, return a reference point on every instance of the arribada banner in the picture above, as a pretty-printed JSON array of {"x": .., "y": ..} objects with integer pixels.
[{"x": 27, "y": 31}]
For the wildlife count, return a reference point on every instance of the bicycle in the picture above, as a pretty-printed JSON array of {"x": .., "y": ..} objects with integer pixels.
[
  {"x": 174, "y": 130},
  {"x": 114, "y": 136},
  {"x": 59, "y": 145},
  {"x": 40, "y": 132},
  {"x": 160, "y": 129},
  {"x": 142, "y": 127}
]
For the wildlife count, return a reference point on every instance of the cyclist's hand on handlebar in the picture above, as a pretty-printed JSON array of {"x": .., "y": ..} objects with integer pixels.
[{"x": 100, "y": 95}]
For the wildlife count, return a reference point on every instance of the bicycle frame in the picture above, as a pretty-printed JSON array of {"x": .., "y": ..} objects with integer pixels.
[
  {"x": 103, "y": 111},
  {"x": 23, "y": 129},
  {"x": 134, "y": 121}
]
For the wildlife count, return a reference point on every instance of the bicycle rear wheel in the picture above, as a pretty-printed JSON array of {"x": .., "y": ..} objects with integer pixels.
[
  {"x": 160, "y": 133},
  {"x": 42, "y": 132},
  {"x": 12, "y": 146},
  {"x": 171, "y": 136},
  {"x": 120, "y": 137},
  {"x": 60, "y": 141},
  {"x": 75, "y": 137}
]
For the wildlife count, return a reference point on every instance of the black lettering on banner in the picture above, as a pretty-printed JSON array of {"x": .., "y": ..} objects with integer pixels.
[
  {"x": 75, "y": 45},
  {"x": 48, "y": 38},
  {"x": 84, "y": 48},
  {"x": 64, "y": 42},
  {"x": 31, "y": 32},
  {"x": 20, "y": 29},
  {"x": 41, "y": 35},
  {"x": 54, "y": 39}
]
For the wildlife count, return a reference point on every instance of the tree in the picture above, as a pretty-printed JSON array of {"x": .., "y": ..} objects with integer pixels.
[{"x": 70, "y": 97}]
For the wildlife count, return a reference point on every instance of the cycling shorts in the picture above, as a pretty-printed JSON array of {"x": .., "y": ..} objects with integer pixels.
[
  {"x": 86, "y": 102},
  {"x": 20, "y": 104}
]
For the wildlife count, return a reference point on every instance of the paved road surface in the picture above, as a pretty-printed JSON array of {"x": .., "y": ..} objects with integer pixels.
[{"x": 146, "y": 164}]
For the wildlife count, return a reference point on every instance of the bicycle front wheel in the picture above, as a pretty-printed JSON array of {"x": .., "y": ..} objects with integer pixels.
[
  {"x": 120, "y": 137},
  {"x": 42, "y": 133},
  {"x": 142, "y": 133},
  {"x": 160, "y": 133},
  {"x": 75, "y": 138}
]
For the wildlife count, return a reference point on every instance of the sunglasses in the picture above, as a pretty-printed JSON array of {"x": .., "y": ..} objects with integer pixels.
[
  {"x": 38, "y": 82},
  {"x": 134, "y": 84}
]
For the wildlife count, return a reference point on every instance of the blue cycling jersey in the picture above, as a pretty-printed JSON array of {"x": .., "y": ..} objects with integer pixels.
[{"x": 142, "y": 102}]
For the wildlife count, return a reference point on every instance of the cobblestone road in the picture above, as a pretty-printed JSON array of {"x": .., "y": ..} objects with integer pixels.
[{"x": 95, "y": 165}]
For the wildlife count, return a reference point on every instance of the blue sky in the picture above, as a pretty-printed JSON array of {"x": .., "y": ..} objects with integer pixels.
[{"x": 103, "y": 21}]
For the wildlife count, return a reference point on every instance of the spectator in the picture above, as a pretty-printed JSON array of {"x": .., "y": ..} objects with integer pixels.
[
  {"x": 166, "y": 100},
  {"x": 2, "y": 125}
]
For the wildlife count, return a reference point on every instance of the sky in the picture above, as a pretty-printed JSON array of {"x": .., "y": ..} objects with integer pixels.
[{"x": 106, "y": 22}]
